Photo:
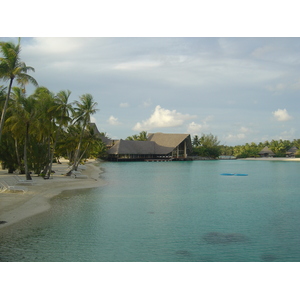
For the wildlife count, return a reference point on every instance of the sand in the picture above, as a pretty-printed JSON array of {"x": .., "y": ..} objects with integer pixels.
[
  {"x": 17, "y": 206},
  {"x": 273, "y": 158}
]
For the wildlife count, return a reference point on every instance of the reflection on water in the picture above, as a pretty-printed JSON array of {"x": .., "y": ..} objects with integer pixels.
[{"x": 175, "y": 211}]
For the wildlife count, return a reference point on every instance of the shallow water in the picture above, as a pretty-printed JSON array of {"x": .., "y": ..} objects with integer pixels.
[{"x": 171, "y": 211}]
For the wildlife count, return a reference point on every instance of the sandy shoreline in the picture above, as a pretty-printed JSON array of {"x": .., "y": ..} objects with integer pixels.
[
  {"x": 17, "y": 206},
  {"x": 272, "y": 158}
]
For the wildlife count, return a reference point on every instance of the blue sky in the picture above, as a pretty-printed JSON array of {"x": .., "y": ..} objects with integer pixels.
[{"x": 239, "y": 89}]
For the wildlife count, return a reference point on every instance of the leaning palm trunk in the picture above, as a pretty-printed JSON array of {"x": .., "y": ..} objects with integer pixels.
[
  {"x": 77, "y": 151},
  {"x": 81, "y": 156}
]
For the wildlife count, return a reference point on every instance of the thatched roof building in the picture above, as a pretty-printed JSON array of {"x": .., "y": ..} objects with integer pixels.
[
  {"x": 123, "y": 147},
  {"x": 159, "y": 146},
  {"x": 292, "y": 152},
  {"x": 266, "y": 152}
]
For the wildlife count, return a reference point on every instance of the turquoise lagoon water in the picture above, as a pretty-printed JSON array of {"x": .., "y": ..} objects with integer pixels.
[{"x": 169, "y": 212}]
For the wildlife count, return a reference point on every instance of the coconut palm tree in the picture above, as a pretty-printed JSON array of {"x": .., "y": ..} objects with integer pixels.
[
  {"x": 46, "y": 126},
  {"x": 62, "y": 111},
  {"x": 10, "y": 68},
  {"x": 85, "y": 108},
  {"x": 22, "y": 119}
]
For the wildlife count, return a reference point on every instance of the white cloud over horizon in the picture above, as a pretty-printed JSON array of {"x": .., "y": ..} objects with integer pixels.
[
  {"x": 198, "y": 129},
  {"x": 162, "y": 118},
  {"x": 282, "y": 115},
  {"x": 113, "y": 121}
]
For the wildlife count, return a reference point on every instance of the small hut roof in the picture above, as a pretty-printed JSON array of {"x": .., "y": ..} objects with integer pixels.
[
  {"x": 266, "y": 150},
  {"x": 293, "y": 150}
]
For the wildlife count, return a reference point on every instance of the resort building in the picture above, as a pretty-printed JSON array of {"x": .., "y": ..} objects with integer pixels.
[
  {"x": 292, "y": 152},
  {"x": 266, "y": 152},
  {"x": 158, "y": 147}
]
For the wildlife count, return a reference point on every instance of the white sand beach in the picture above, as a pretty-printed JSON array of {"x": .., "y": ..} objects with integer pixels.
[
  {"x": 16, "y": 205},
  {"x": 272, "y": 158}
]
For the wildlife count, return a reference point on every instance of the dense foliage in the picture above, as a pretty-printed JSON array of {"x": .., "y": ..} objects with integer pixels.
[
  {"x": 39, "y": 128},
  {"x": 251, "y": 150},
  {"x": 208, "y": 146}
]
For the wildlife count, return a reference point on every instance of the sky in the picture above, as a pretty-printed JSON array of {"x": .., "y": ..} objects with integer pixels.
[{"x": 238, "y": 89}]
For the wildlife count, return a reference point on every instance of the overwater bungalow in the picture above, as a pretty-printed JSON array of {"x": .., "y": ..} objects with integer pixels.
[
  {"x": 266, "y": 152},
  {"x": 158, "y": 147}
]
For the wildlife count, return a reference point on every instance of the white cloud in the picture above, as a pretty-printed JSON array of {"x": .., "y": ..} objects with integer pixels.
[
  {"x": 56, "y": 45},
  {"x": 239, "y": 135},
  {"x": 194, "y": 128},
  {"x": 124, "y": 104},
  {"x": 162, "y": 118},
  {"x": 281, "y": 115},
  {"x": 113, "y": 121}
]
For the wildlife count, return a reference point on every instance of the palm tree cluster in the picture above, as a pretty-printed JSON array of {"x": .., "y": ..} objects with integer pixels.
[
  {"x": 208, "y": 145},
  {"x": 41, "y": 127},
  {"x": 279, "y": 147}
]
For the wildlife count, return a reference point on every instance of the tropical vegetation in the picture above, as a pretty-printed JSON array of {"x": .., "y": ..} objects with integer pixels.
[
  {"x": 142, "y": 136},
  {"x": 39, "y": 128},
  {"x": 209, "y": 146},
  {"x": 279, "y": 147}
]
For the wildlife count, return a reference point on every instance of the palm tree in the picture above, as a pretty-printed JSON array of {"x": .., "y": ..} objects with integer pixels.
[
  {"x": 62, "y": 109},
  {"x": 24, "y": 111},
  {"x": 141, "y": 137},
  {"x": 17, "y": 96},
  {"x": 45, "y": 122},
  {"x": 92, "y": 144},
  {"x": 85, "y": 108},
  {"x": 10, "y": 68}
]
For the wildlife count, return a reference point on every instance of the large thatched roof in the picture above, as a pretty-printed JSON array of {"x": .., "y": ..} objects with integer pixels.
[
  {"x": 170, "y": 140},
  {"x": 157, "y": 144},
  {"x": 132, "y": 147}
]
